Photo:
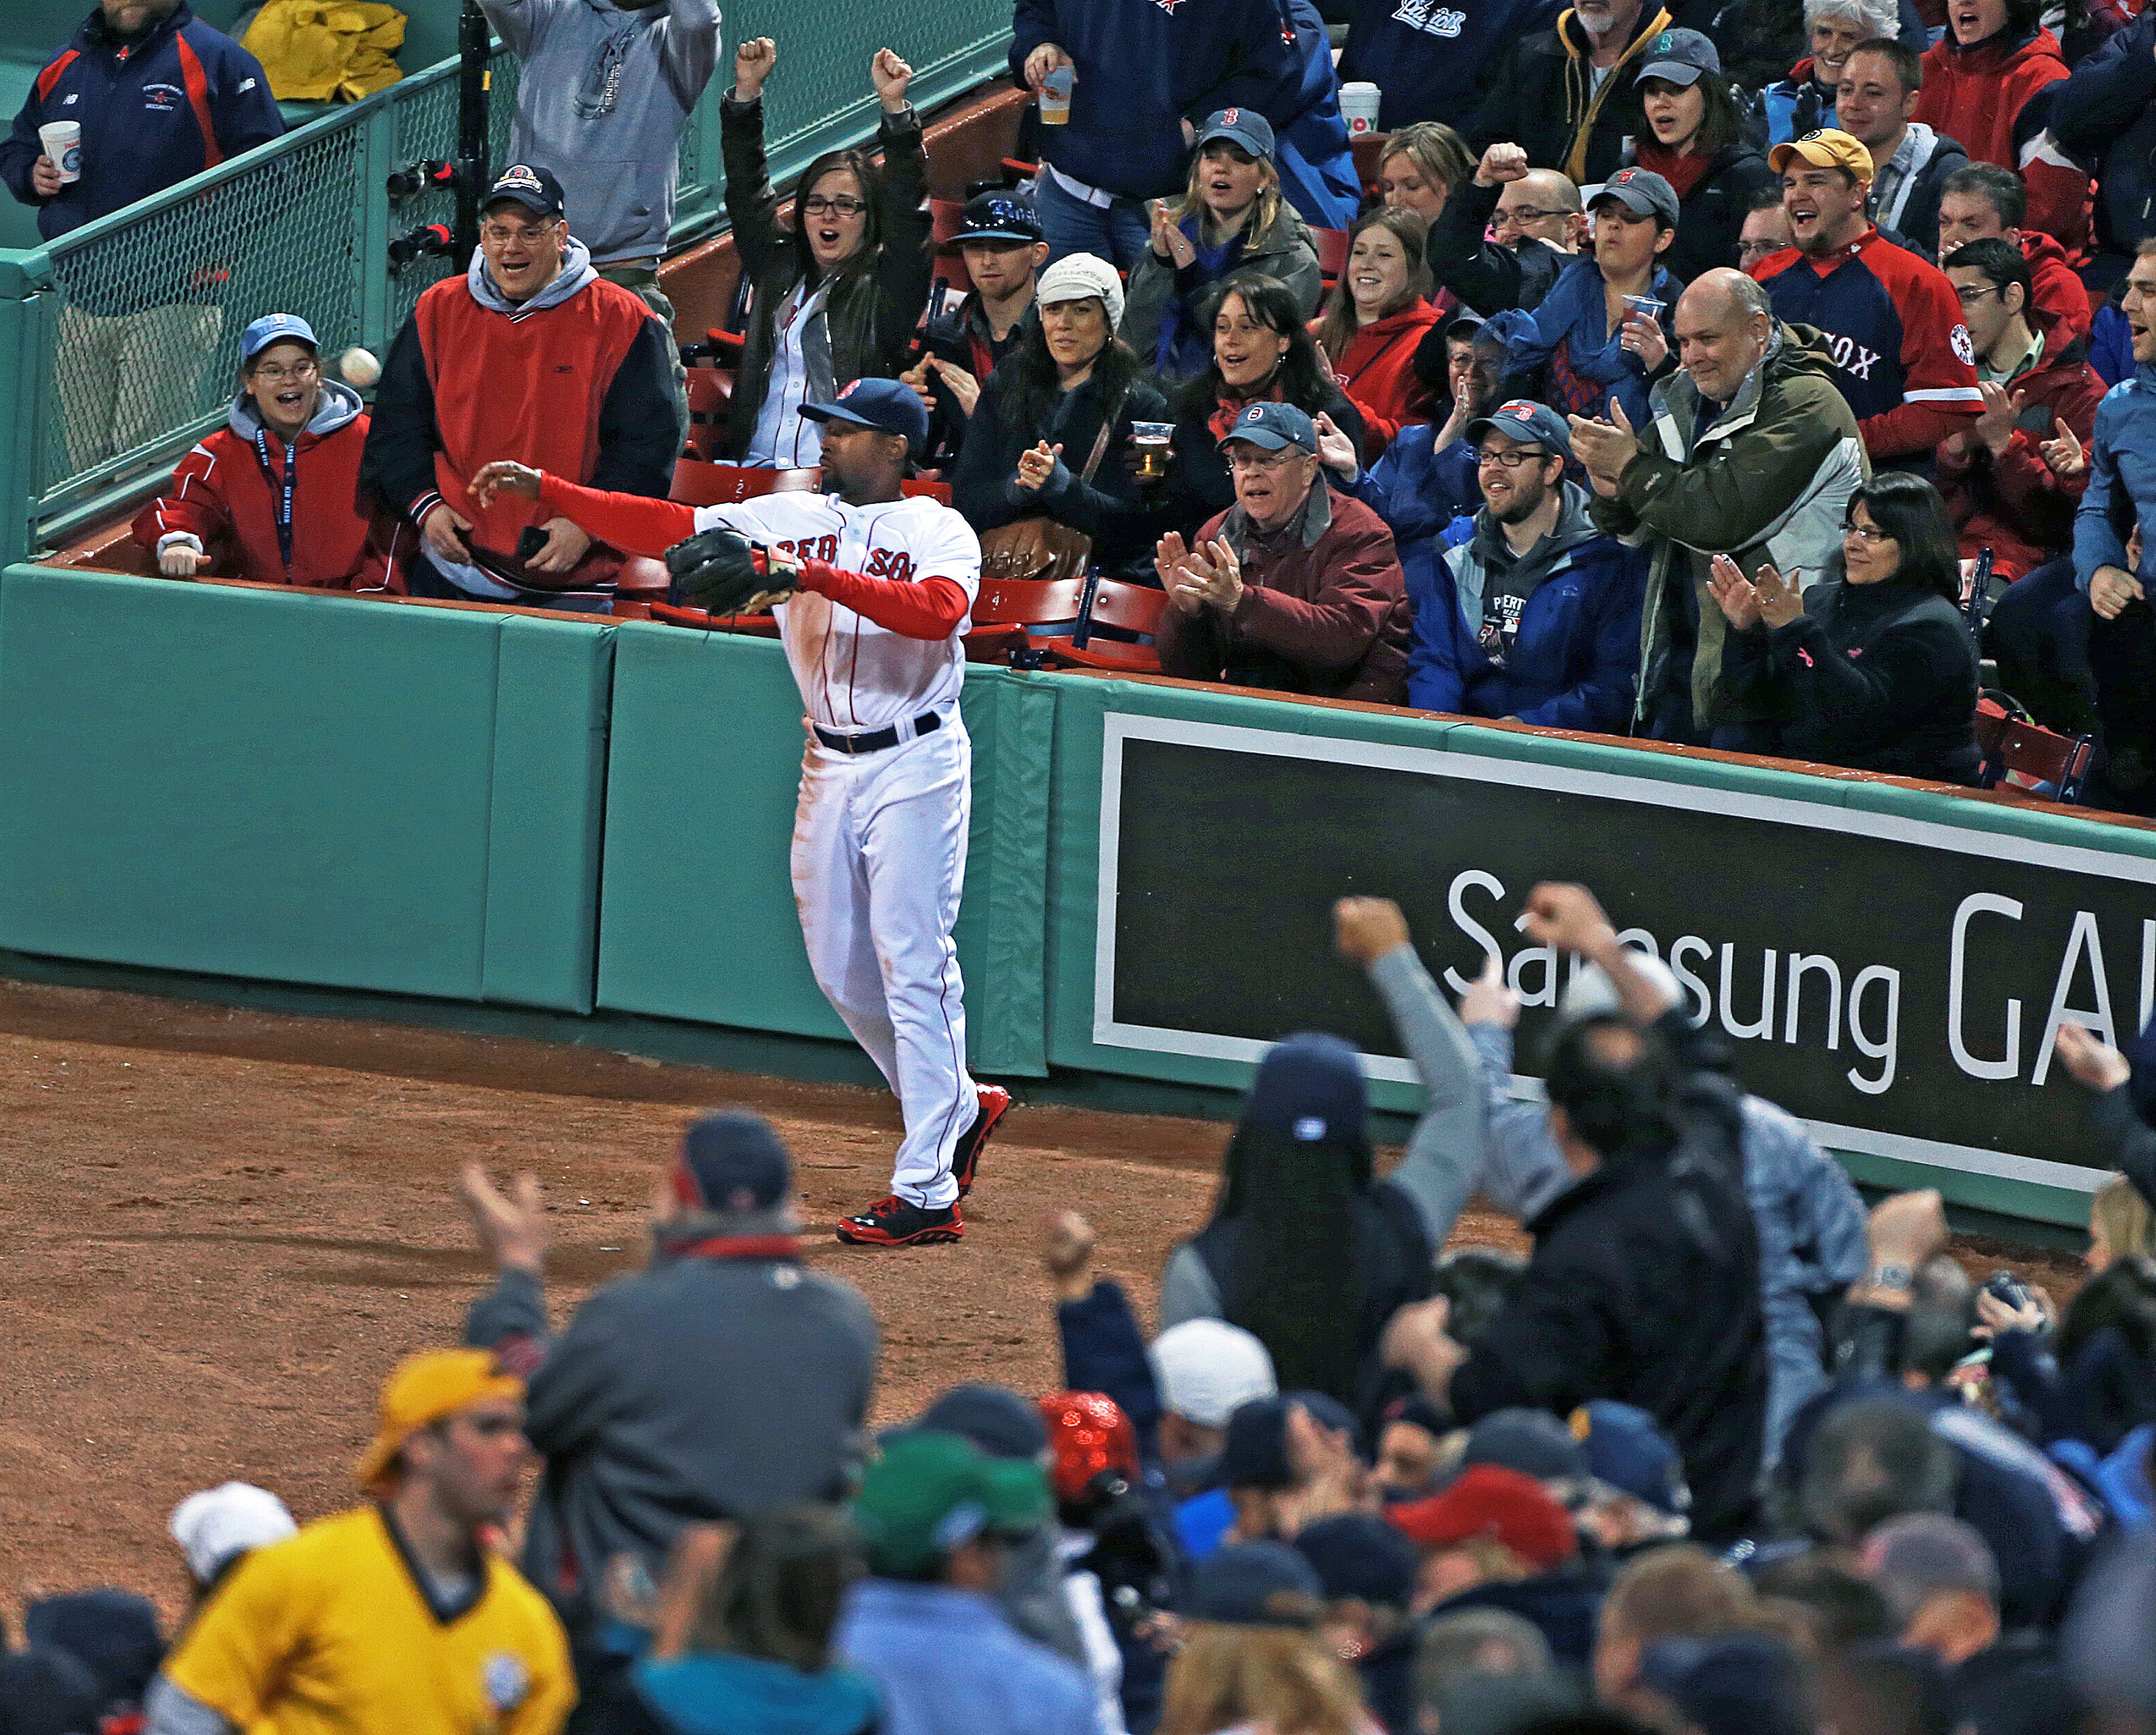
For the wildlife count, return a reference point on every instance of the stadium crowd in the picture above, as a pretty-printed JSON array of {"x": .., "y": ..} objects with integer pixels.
[
  {"x": 1725, "y": 1453},
  {"x": 1650, "y": 376}
]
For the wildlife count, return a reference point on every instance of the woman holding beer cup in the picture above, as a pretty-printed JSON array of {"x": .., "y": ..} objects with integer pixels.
[{"x": 1055, "y": 434}]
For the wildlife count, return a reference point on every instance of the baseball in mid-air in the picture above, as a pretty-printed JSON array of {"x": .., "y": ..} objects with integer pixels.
[{"x": 359, "y": 368}]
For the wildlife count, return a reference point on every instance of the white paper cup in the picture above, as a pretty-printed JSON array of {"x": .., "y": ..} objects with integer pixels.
[
  {"x": 63, "y": 143},
  {"x": 1358, "y": 107},
  {"x": 1055, "y": 97}
]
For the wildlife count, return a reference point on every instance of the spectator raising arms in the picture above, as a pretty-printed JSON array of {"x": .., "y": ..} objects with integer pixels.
[
  {"x": 1535, "y": 227},
  {"x": 1051, "y": 436},
  {"x": 1231, "y": 219},
  {"x": 1876, "y": 661},
  {"x": 1262, "y": 353},
  {"x": 1536, "y": 615},
  {"x": 1696, "y": 141},
  {"x": 1291, "y": 588},
  {"x": 1988, "y": 82},
  {"x": 838, "y": 294},
  {"x": 1379, "y": 313},
  {"x": 1595, "y": 333},
  {"x": 1804, "y": 102},
  {"x": 275, "y": 490},
  {"x": 1566, "y": 94}
]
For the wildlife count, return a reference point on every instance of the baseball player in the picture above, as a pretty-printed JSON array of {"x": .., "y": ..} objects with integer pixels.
[{"x": 872, "y": 590}]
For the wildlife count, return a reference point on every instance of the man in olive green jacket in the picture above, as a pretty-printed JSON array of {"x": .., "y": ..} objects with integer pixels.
[{"x": 1752, "y": 452}]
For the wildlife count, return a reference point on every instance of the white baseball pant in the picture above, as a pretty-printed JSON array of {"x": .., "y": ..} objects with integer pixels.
[{"x": 879, "y": 860}]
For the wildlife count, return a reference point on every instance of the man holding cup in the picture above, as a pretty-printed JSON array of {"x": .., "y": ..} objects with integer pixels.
[{"x": 144, "y": 95}]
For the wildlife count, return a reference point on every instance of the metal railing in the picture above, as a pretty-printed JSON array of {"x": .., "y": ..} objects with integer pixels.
[{"x": 117, "y": 341}]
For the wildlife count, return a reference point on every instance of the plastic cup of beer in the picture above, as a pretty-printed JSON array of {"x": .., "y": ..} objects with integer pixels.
[
  {"x": 1150, "y": 440},
  {"x": 1055, "y": 97},
  {"x": 63, "y": 145}
]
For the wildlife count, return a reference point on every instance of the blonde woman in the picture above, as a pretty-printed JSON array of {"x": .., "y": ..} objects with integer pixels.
[
  {"x": 1380, "y": 312},
  {"x": 1231, "y": 220},
  {"x": 1421, "y": 166},
  {"x": 1252, "y": 1662}
]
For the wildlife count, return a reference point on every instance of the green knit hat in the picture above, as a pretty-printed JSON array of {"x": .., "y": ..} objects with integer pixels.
[{"x": 930, "y": 1493}]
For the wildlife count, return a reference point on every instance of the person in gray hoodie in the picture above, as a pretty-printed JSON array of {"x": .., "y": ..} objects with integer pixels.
[
  {"x": 606, "y": 91},
  {"x": 724, "y": 1382}
]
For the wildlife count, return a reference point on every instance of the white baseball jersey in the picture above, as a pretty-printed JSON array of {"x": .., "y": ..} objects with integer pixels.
[{"x": 853, "y": 674}]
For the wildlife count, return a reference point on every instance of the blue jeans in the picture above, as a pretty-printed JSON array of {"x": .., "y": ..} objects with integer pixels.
[{"x": 1119, "y": 234}]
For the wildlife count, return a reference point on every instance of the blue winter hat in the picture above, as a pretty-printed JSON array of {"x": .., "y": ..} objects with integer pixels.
[
  {"x": 1359, "y": 1554},
  {"x": 1263, "y": 1584},
  {"x": 884, "y": 404},
  {"x": 1310, "y": 1088},
  {"x": 1628, "y": 1452},
  {"x": 733, "y": 1160},
  {"x": 275, "y": 328}
]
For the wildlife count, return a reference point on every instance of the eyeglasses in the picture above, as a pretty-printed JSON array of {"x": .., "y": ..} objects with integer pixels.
[
  {"x": 276, "y": 375},
  {"x": 1266, "y": 460},
  {"x": 1869, "y": 534},
  {"x": 816, "y": 205},
  {"x": 1512, "y": 460},
  {"x": 502, "y": 234},
  {"x": 1759, "y": 250},
  {"x": 1528, "y": 213},
  {"x": 1970, "y": 296}
]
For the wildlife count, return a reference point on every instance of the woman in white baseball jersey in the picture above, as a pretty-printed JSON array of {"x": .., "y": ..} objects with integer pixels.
[{"x": 883, "y": 585}]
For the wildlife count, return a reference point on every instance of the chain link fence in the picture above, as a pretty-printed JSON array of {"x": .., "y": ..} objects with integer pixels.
[{"x": 138, "y": 315}]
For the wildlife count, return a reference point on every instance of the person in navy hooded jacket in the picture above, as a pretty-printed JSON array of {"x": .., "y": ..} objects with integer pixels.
[{"x": 1536, "y": 615}]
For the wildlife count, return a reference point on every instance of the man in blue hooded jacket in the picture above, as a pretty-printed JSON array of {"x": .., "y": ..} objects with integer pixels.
[{"x": 1536, "y": 615}]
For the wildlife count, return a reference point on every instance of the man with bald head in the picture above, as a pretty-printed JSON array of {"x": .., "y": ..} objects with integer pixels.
[
  {"x": 1537, "y": 218},
  {"x": 1752, "y": 452}
]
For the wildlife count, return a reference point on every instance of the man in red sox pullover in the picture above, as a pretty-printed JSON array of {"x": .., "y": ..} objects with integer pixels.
[
  {"x": 530, "y": 356},
  {"x": 1902, "y": 356},
  {"x": 273, "y": 495},
  {"x": 1988, "y": 82}
]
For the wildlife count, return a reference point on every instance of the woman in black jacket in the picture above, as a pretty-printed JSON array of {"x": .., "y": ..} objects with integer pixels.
[
  {"x": 1262, "y": 351},
  {"x": 838, "y": 294},
  {"x": 1695, "y": 141},
  {"x": 1032, "y": 435},
  {"x": 1874, "y": 668},
  {"x": 2094, "y": 1379}
]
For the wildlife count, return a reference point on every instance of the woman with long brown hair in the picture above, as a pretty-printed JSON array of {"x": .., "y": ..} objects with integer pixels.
[
  {"x": 1252, "y": 1662},
  {"x": 1379, "y": 312},
  {"x": 1232, "y": 220},
  {"x": 1694, "y": 140}
]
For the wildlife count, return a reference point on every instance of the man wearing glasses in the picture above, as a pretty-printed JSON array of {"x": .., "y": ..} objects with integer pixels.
[
  {"x": 274, "y": 494},
  {"x": 1294, "y": 588},
  {"x": 1536, "y": 224},
  {"x": 1536, "y": 617},
  {"x": 533, "y": 355}
]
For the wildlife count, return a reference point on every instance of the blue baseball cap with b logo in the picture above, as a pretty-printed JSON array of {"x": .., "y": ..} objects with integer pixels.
[
  {"x": 1529, "y": 423},
  {"x": 275, "y": 328},
  {"x": 885, "y": 404}
]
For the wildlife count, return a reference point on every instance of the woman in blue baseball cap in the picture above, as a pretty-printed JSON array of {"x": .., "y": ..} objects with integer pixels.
[{"x": 1232, "y": 218}]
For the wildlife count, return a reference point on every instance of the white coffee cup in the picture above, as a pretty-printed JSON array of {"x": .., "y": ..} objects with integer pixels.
[
  {"x": 63, "y": 143},
  {"x": 1358, "y": 107}
]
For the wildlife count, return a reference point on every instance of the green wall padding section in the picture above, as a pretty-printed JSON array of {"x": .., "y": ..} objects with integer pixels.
[
  {"x": 298, "y": 788},
  {"x": 696, "y": 916}
]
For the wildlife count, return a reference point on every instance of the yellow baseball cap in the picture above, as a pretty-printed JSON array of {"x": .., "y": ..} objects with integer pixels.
[
  {"x": 423, "y": 1390},
  {"x": 1825, "y": 149}
]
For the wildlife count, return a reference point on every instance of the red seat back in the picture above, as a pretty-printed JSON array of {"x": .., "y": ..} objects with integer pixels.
[
  {"x": 1369, "y": 156},
  {"x": 1027, "y": 601},
  {"x": 1331, "y": 245},
  {"x": 698, "y": 483},
  {"x": 1127, "y": 607},
  {"x": 937, "y": 491}
]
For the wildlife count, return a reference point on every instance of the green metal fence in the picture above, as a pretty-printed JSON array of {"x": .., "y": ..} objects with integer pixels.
[{"x": 117, "y": 339}]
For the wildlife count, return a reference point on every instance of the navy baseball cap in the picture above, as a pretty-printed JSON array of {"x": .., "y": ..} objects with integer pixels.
[
  {"x": 1679, "y": 57},
  {"x": 1359, "y": 1554},
  {"x": 996, "y": 1420},
  {"x": 1628, "y": 1450},
  {"x": 1641, "y": 192},
  {"x": 275, "y": 328},
  {"x": 1532, "y": 1441},
  {"x": 1524, "y": 420},
  {"x": 1265, "y": 1583},
  {"x": 998, "y": 217},
  {"x": 535, "y": 189},
  {"x": 733, "y": 1160},
  {"x": 1271, "y": 426},
  {"x": 1247, "y": 127},
  {"x": 884, "y": 404}
]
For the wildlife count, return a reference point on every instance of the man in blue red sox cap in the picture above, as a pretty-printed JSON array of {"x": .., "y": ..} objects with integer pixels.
[{"x": 725, "y": 1381}]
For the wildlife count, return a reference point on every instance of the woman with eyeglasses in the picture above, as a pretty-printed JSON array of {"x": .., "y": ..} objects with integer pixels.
[
  {"x": 838, "y": 294},
  {"x": 1232, "y": 218},
  {"x": 1874, "y": 668}
]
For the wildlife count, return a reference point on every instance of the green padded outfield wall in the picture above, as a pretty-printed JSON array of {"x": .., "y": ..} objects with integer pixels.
[
  {"x": 697, "y": 917},
  {"x": 302, "y": 789}
]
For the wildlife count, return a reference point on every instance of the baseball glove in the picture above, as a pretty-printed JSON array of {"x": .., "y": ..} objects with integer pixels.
[{"x": 722, "y": 571}]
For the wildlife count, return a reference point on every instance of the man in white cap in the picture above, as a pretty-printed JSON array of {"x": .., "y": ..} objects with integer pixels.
[{"x": 218, "y": 1528}]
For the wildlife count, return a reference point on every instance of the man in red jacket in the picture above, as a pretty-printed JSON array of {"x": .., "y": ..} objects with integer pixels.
[
  {"x": 531, "y": 355},
  {"x": 1988, "y": 82},
  {"x": 2037, "y": 385},
  {"x": 274, "y": 494},
  {"x": 1983, "y": 201},
  {"x": 1294, "y": 587}
]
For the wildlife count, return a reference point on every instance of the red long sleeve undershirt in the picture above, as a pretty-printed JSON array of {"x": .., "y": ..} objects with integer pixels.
[{"x": 914, "y": 608}]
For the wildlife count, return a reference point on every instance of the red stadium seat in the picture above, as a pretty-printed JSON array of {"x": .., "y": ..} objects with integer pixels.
[
  {"x": 641, "y": 582},
  {"x": 710, "y": 392},
  {"x": 699, "y": 484},
  {"x": 937, "y": 491},
  {"x": 1007, "y": 607},
  {"x": 1331, "y": 245},
  {"x": 2023, "y": 753},
  {"x": 1130, "y": 612},
  {"x": 1369, "y": 156},
  {"x": 944, "y": 216}
]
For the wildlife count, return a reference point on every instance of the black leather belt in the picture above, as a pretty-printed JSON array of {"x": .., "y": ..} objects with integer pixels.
[{"x": 876, "y": 740}]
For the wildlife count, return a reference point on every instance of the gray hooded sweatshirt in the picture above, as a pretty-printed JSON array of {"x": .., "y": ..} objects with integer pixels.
[{"x": 605, "y": 92}]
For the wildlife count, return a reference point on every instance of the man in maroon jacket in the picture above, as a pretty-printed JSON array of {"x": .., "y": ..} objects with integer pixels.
[{"x": 1294, "y": 587}]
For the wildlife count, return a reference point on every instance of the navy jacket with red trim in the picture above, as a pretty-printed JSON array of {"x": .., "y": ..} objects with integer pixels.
[{"x": 155, "y": 109}]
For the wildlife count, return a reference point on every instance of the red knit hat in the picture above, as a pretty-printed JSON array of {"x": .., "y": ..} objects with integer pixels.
[
  {"x": 1487, "y": 1501},
  {"x": 1087, "y": 1432}
]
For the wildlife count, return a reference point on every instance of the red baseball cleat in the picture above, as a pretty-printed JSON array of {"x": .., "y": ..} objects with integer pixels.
[
  {"x": 966, "y": 1159},
  {"x": 895, "y": 1222}
]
